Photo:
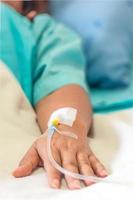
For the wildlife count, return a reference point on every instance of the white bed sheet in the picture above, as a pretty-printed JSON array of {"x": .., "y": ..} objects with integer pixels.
[{"x": 112, "y": 143}]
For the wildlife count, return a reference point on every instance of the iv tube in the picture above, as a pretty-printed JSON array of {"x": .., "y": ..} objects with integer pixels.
[{"x": 95, "y": 179}]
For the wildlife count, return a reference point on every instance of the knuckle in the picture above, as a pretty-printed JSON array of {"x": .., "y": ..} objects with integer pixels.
[
  {"x": 99, "y": 165},
  {"x": 82, "y": 157},
  {"x": 70, "y": 165},
  {"x": 93, "y": 159},
  {"x": 64, "y": 148},
  {"x": 71, "y": 145},
  {"x": 84, "y": 165}
]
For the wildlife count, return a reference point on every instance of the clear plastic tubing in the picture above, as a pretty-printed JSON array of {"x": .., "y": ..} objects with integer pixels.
[{"x": 64, "y": 171}]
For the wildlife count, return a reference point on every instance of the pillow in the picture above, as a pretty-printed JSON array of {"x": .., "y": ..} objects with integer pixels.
[{"x": 107, "y": 31}]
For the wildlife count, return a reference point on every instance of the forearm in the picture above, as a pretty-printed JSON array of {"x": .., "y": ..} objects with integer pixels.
[{"x": 67, "y": 96}]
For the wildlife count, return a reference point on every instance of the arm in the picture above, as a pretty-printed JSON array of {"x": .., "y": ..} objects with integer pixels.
[
  {"x": 59, "y": 82},
  {"x": 72, "y": 96},
  {"x": 74, "y": 155}
]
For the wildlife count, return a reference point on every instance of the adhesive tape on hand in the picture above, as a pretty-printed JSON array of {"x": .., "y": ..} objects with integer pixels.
[{"x": 65, "y": 115}]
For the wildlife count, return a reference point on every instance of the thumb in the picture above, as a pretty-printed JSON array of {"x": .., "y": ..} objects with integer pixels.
[{"x": 28, "y": 164}]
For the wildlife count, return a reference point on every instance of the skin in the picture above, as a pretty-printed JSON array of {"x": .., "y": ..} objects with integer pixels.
[{"x": 74, "y": 155}]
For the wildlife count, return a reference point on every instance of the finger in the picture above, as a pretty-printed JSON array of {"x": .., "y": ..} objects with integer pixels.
[
  {"x": 85, "y": 167},
  {"x": 29, "y": 163},
  {"x": 54, "y": 176},
  {"x": 69, "y": 162},
  {"x": 31, "y": 14},
  {"x": 97, "y": 167}
]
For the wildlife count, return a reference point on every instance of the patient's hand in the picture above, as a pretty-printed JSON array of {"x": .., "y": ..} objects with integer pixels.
[{"x": 74, "y": 155}]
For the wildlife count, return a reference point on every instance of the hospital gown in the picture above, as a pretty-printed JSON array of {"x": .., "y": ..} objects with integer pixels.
[{"x": 43, "y": 55}]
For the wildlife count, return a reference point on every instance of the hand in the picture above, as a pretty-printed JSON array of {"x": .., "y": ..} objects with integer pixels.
[
  {"x": 74, "y": 155},
  {"x": 31, "y": 15}
]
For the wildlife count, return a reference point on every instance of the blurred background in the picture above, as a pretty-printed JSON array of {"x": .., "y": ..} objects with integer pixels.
[{"x": 106, "y": 31}]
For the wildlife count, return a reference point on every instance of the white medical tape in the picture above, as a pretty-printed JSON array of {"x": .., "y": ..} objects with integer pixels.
[{"x": 66, "y": 115}]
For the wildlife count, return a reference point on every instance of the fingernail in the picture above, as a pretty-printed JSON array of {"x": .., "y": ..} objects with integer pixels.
[
  {"x": 55, "y": 184},
  {"x": 104, "y": 173},
  {"x": 75, "y": 185}
]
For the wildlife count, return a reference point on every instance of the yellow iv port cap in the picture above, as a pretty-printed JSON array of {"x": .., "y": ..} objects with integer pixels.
[{"x": 56, "y": 122}]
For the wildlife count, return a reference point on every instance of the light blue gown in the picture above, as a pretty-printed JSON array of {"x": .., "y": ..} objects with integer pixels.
[{"x": 43, "y": 55}]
